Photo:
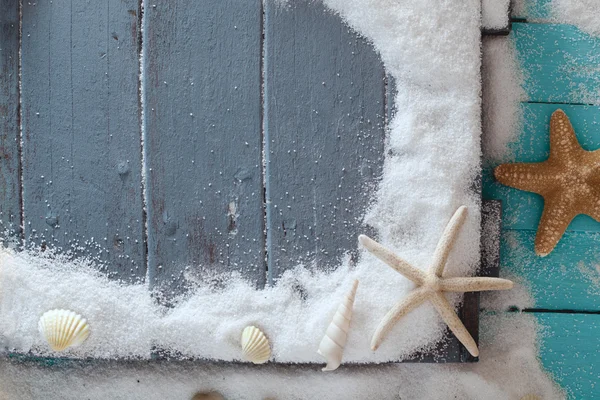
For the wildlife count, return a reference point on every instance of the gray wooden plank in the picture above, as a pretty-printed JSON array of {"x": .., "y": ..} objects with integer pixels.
[
  {"x": 81, "y": 131},
  {"x": 324, "y": 134},
  {"x": 203, "y": 141},
  {"x": 10, "y": 188}
]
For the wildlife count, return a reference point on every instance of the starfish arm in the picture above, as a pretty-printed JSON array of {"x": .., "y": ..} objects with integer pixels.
[
  {"x": 391, "y": 259},
  {"x": 593, "y": 205},
  {"x": 556, "y": 217},
  {"x": 442, "y": 251},
  {"x": 475, "y": 284},
  {"x": 563, "y": 141},
  {"x": 531, "y": 177},
  {"x": 447, "y": 313},
  {"x": 412, "y": 301}
]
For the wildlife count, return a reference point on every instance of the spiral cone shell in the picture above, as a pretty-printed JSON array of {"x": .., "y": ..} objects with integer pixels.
[
  {"x": 63, "y": 329},
  {"x": 255, "y": 345},
  {"x": 332, "y": 345}
]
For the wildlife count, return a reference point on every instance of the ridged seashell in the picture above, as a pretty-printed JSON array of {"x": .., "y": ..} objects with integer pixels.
[
  {"x": 63, "y": 329},
  {"x": 255, "y": 345},
  {"x": 208, "y": 396},
  {"x": 531, "y": 397},
  {"x": 332, "y": 345}
]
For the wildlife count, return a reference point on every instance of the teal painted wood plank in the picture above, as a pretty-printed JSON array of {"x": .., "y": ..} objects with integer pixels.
[
  {"x": 10, "y": 188},
  {"x": 203, "y": 141},
  {"x": 559, "y": 63},
  {"x": 523, "y": 210},
  {"x": 324, "y": 135},
  {"x": 569, "y": 349},
  {"x": 566, "y": 279},
  {"x": 81, "y": 131}
]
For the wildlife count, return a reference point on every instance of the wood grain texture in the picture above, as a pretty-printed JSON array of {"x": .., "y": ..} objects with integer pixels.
[
  {"x": 559, "y": 63},
  {"x": 10, "y": 165},
  {"x": 569, "y": 349},
  {"x": 523, "y": 210},
  {"x": 81, "y": 136},
  {"x": 324, "y": 135},
  {"x": 566, "y": 279},
  {"x": 203, "y": 142}
]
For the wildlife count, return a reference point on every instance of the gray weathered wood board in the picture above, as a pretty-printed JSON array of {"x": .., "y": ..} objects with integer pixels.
[
  {"x": 81, "y": 131},
  {"x": 10, "y": 190},
  {"x": 324, "y": 135},
  {"x": 203, "y": 140}
]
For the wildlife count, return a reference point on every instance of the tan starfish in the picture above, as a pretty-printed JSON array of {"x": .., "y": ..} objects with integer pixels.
[
  {"x": 431, "y": 285},
  {"x": 569, "y": 182}
]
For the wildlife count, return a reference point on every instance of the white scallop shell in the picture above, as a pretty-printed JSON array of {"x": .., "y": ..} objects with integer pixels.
[
  {"x": 531, "y": 397},
  {"x": 332, "y": 345},
  {"x": 63, "y": 329},
  {"x": 255, "y": 345}
]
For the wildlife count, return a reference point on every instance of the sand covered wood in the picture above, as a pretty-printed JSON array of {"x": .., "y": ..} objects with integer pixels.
[{"x": 435, "y": 128}]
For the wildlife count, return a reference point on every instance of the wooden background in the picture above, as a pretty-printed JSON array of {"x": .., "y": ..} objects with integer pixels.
[
  {"x": 560, "y": 65},
  {"x": 156, "y": 165},
  {"x": 146, "y": 180}
]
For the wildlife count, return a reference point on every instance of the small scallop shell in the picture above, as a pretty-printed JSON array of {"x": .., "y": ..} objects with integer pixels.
[
  {"x": 255, "y": 345},
  {"x": 63, "y": 329},
  {"x": 531, "y": 397}
]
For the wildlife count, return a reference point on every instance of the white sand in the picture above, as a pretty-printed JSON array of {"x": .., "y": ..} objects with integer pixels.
[
  {"x": 508, "y": 370},
  {"x": 502, "y": 97},
  {"x": 494, "y": 14},
  {"x": 585, "y": 14}
]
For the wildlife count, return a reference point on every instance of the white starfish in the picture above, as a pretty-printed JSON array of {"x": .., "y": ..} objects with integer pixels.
[{"x": 431, "y": 284}]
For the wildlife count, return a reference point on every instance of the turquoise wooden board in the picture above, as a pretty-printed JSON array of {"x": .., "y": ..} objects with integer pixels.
[
  {"x": 569, "y": 349},
  {"x": 566, "y": 279},
  {"x": 81, "y": 131},
  {"x": 559, "y": 63},
  {"x": 203, "y": 141},
  {"x": 10, "y": 188},
  {"x": 523, "y": 210},
  {"x": 324, "y": 135}
]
